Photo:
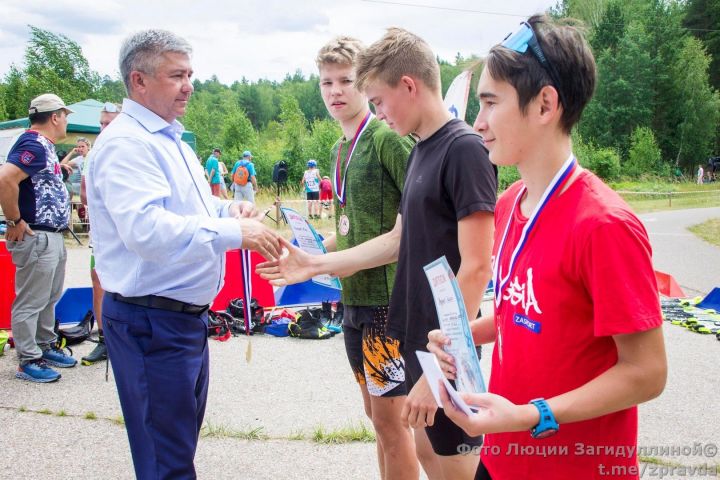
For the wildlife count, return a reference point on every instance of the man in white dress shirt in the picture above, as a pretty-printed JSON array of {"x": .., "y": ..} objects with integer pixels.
[{"x": 160, "y": 239}]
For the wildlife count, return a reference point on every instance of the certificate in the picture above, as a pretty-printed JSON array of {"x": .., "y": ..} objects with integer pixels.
[
  {"x": 309, "y": 241},
  {"x": 454, "y": 324},
  {"x": 433, "y": 375}
]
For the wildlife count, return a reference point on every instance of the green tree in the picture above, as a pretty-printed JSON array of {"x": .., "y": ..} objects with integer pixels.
[
  {"x": 699, "y": 105},
  {"x": 703, "y": 20},
  {"x": 198, "y": 120},
  {"x": 294, "y": 134},
  {"x": 644, "y": 157},
  {"x": 53, "y": 63},
  {"x": 238, "y": 135},
  {"x": 622, "y": 100},
  {"x": 324, "y": 134},
  {"x": 611, "y": 28},
  {"x": 589, "y": 11},
  {"x": 111, "y": 90}
]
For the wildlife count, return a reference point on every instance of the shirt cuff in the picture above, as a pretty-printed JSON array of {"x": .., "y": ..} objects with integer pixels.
[
  {"x": 229, "y": 233},
  {"x": 225, "y": 209}
]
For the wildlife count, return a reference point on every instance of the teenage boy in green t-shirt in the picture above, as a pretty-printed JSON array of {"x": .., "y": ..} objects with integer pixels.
[{"x": 369, "y": 172}]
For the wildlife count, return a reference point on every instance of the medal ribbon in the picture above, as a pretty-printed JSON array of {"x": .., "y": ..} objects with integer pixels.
[
  {"x": 246, "y": 268},
  {"x": 560, "y": 177},
  {"x": 338, "y": 183}
]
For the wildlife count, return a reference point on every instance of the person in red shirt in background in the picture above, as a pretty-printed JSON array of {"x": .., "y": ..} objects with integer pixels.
[
  {"x": 577, "y": 324},
  {"x": 326, "y": 193}
]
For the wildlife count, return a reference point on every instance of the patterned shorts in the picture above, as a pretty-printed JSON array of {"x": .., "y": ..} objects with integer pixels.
[{"x": 374, "y": 357}]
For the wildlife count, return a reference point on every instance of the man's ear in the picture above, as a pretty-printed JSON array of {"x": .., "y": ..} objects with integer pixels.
[
  {"x": 137, "y": 80},
  {"x": 549, "y": 103},
  {"x": 408, "y": 84}
]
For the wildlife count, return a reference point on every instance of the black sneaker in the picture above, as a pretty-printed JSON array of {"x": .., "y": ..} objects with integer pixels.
[
  {"x": 98, "y": 354},
  {"x": 339, "y": 314},
  {"x": 326, "y": 315}
]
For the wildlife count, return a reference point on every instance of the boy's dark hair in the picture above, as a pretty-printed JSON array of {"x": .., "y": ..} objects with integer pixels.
[
  {"x": 567, "y": 50},
  {"x": 41, "y": 118}
]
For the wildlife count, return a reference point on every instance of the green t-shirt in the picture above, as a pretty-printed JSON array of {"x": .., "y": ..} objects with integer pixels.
[{"x": 374, "y": 185}]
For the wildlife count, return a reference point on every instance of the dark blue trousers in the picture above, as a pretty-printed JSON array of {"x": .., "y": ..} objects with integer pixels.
[{"x": 160, "y": 363}]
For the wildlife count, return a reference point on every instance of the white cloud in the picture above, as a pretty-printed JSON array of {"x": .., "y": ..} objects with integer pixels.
[{"x": 253, "y": 38}]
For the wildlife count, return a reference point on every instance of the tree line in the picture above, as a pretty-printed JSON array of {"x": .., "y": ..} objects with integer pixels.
[{"x": 655, "y": 112}]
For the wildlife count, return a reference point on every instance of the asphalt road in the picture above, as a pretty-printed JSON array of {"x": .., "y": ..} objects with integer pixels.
[
  {"x": 694, "y": 263},
  {"x": 292, "y": 387}
]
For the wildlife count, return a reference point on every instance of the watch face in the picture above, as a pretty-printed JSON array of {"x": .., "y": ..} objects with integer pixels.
[{"x": 545, "y": 433}]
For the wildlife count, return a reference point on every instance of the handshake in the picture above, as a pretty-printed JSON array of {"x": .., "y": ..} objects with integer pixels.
[{"x": 255, "y": 235}]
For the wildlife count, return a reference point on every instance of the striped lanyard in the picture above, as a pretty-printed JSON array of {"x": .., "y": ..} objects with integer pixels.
[
  {"x": 560, "y": 178},
  {"x": 338, "y": 183}
]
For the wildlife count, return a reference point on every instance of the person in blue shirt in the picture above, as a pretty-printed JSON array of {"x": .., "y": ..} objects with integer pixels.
[
  {"x": 35, "y": 203},
  {"x": 212, "y": 167},
  {"x": 160, "y": 239},
  {"x": 244, "y": 186}
]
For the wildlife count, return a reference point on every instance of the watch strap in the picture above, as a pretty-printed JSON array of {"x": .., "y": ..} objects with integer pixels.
[{"x": 547, "y": 420}]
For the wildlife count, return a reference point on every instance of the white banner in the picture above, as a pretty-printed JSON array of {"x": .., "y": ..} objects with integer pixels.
[{"x": 456, "y": 97}]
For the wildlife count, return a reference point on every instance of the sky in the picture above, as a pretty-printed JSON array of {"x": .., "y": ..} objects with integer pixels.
[{"x": 258, "y": 39}]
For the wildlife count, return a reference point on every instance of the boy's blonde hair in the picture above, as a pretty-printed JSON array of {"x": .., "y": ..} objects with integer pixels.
[
  {"x": 340, "y": 51},
  {"x": 396, "y": 54}
]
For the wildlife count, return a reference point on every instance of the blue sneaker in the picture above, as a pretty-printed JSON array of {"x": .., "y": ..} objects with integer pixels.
[
  {"x": 37, "y": 371},
  {"x": 58, "y": 358}
]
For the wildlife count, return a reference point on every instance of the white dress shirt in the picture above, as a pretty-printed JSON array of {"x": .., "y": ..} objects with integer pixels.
[{"x": 157, "y": 230}]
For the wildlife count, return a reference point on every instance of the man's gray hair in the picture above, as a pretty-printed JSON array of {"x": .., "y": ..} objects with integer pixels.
[{"x": 141, "y": 51}]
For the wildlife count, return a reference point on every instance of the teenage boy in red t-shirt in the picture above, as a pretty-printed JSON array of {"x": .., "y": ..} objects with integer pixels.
[{"x": 577, "y": 319}]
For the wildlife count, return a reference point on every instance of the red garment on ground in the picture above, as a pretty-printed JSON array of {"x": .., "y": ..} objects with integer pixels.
[{"x": 584, "y": 275}]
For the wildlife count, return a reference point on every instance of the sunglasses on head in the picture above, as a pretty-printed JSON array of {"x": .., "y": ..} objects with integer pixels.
[
  {"x": 110, "y": 108},
  {"x": 524, "y": 37}
]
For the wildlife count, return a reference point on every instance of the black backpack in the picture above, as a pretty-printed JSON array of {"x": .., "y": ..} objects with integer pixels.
[{"x": 78, "y": 333}]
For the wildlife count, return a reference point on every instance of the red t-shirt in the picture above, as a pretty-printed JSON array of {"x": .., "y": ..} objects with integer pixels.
[
  {"x": 325, "y": 189},
  {"x": 584, "y": 275}
]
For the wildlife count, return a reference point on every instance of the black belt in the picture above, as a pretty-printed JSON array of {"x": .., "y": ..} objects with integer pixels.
[
  {"x": 162, "y": 303},
  {"x": 46, "y": 228}
]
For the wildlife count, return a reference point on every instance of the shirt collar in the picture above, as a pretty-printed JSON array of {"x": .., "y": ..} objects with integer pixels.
[{"x": 152, "y": 122}]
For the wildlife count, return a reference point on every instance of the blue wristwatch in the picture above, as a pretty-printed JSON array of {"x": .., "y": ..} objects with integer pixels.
[{"x": 547, "y": 426}]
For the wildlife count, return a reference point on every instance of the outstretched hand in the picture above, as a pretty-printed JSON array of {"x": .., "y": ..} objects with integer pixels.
[{"x": 294, "y": 267}]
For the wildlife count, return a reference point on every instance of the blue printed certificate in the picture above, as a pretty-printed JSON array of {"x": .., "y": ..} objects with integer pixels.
[
  {"x": 455, "y": 325},
  {"x": 309, "y": 241}
]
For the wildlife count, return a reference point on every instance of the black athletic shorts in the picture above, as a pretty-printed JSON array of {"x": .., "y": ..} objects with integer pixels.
[
  {"x": 446, "y": 438},
  {"x": 374, "y": 357},
  {"x": 313, "y": 195},
  {"x": 482, "y": 473}
]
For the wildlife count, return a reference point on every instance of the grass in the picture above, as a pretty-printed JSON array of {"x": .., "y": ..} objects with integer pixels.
[
  {"x": 647, "y": 196},
  {"x": 90, "y": 416},
  {"x": 297, "y": 435},
  {"x": 708, "y": 231},
  {"x": 352, "y": 433},
  {"x": 658, "y": 461},
  {"x": 265, "y": 199},
  {"x": 221, "y": 431}
]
